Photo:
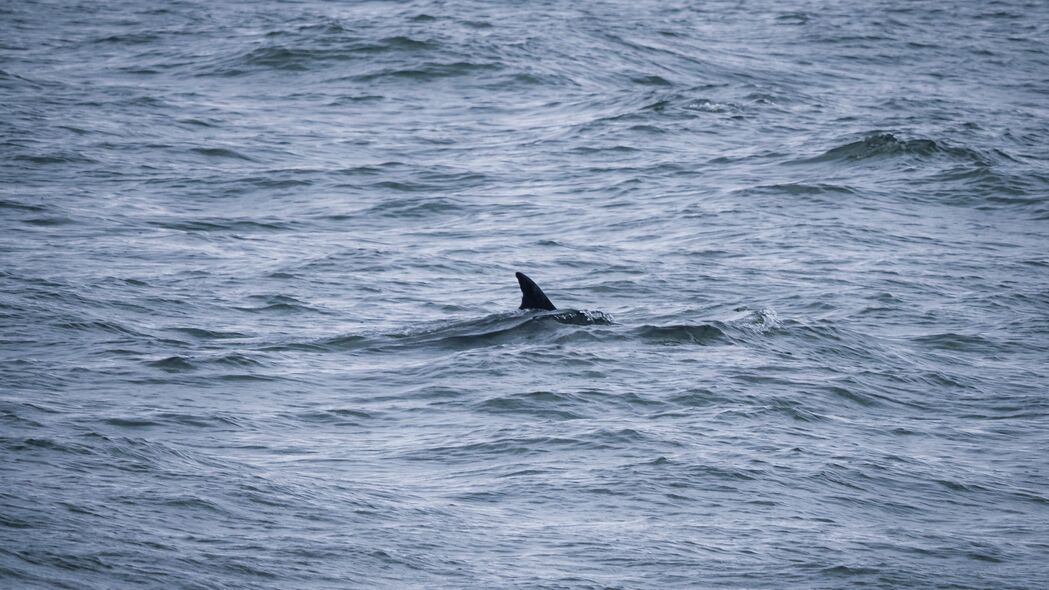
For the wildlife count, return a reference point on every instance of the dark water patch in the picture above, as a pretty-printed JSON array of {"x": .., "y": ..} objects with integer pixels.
[
  {"x": 236, "y": 360},
  {"x": 621, "y": 149},
  {"x": 55, "y": 159},
  {"x": 288, "y": 58},
  {"x": 522, "y": 447},
  {"x": 129, "y": 39},
  {"x": 489, "y": 331},
  {"x": 199, "y": 122},
  {"x": 414, "y": 207},
  {"x": 540, "y": 404},
  {"x": 209, "y": 420},
  {"x": 882, "y": 145},
  {"x": 184, "y": 363},
  {"x": 429, "y": 71},
  {"x": 956, "y": 342},
  {"x": 697, "y": 398},
  {"x": 504, "y": 328},
  {"x": 173, "y": 364},
  {"x": 280, "y": 304},
  {"x": 15, "y": 418},
  {"x": 794, "y": 18},
  {"x": 50, "y": 221},
  {"x": 803, "y": 189},
  {"x": 225, "y": 153},
  {"x": 853, "y": 395},
  {"x": 251, "y": 377},
  {"x": 205, "y": 334},
  {"x": 682, "y": 334},
  {"x": 19, "y": 206},
  {"x": 371, "y": 170},
  {"x": 356, "y": 99},
  {"x": 305, "y": 58},
  {"x": 840, "y": 571},
  {"x": 39, "y": 444},
  {"x": 14, "y": 523},
  {"x": 131, "y": 422},
  {"x": 794, "y": 409},
  {"x": 492, "y": 330},
  {"x": 818, "y": 331},
  {"x": 150, "y": 456},
  {"x": 652, "y": 80},
  {"x": 278, "y": 183},
  {"x": 436, "y": 179},
  {"x": 99, "y": 326},
  {"x": 345, "y": 342},
  {"x": 194, "y": 504},
  {"x": 336, "y": 416}
]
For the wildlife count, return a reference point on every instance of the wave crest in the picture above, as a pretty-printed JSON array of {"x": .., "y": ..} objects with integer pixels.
[{"x": 888, "y": 145}]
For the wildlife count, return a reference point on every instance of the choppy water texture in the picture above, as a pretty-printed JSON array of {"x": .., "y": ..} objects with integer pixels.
[{"x": 258, "y": 305}]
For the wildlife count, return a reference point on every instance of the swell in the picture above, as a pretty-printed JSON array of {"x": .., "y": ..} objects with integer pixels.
[
  {"x": 935, "y": 169},
  {"x": 292, "y": 51},
  {"x": 887, "y": 145},
  {"x": 544, "y": 329},
  {"x": 489, "y": 331}
]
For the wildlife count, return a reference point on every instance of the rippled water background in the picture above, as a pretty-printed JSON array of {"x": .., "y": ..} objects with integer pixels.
[{"x": 258, "y": 305}]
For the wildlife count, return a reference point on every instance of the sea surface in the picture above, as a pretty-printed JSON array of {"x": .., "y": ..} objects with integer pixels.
[{"x": 258, "y": 313}]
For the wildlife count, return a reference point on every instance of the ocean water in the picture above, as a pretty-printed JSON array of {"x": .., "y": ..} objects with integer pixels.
[{"x": 258, "y": 313}]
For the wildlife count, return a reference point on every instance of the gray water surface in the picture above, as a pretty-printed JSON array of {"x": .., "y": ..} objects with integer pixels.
[{"x": 258, "y": 321}]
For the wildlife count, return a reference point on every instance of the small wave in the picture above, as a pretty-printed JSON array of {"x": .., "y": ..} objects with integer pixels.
[
  {"x": 430, "y": 71},
  {"x": 888, "y": 145},
  {"x": 791, "y": 188},
  {"x": 140, "y": 455},
  {"x": 32, "y": 444},
  {"x": 958, "y": 342},
  {"x": 525, "y": 446},
  {"x": 128, "y": 39},
  {"x": 296, "y": 58},
  {"x": 277, "y": 308},
  {"x": 346, "y": 342},
  {"x": 682, "y": 333},
  {"x": 67, "y": 158},
  {"x": 414, "y": 207},
  {"x": 287, "y": 58},
  {"x": 5, "y": 204},
  {"x": 50, "y": 221},
  {"x": 278, "y": 303},
  {"x": 337, "y": 416},
  {"x": 793, "y": 18},
  {"x": 652, "y": 80},
  {"x": 104, "y": 326},
  {"x": 130, "y": 422},
  {"x": 854, "y": 395},
  {"x": 221, "y": 153},
  {"x": 236, "y": 360},
  {"x": 173, "y": 364},
  {"x": 199, "y": 421},
  {"x": 220, "y": 225},
  {"x": 204, "y": 334},
  {"x": 542, "y": 404},
  {"x": 495, "y": 329},
  {"x": 505, "y": 327}
]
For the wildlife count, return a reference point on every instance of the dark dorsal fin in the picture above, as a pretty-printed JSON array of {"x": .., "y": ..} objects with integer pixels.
[{"x": 532, "y": 297}]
